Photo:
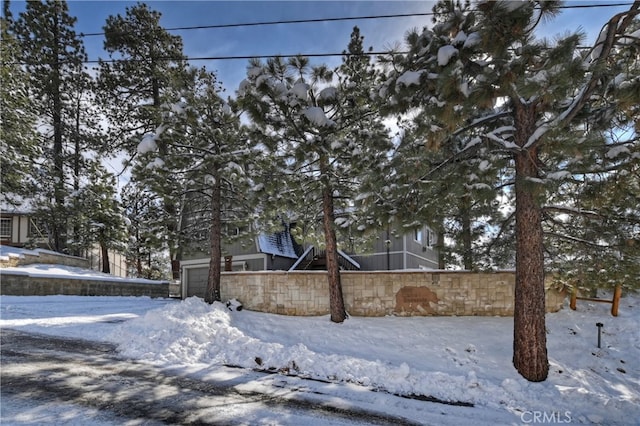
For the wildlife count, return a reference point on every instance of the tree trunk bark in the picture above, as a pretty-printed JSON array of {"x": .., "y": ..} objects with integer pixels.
[
  {"x": 59, "y": 225},
  {"x": 440, "y": 247},
  {"x": 76, "y": 173},
  {"x": 213, "y": 280},
  {"x": 465, "y": 219},
  {"x": 529, "y": 332},
  {"x": 336, "y": 300},
  {"x": 106, "y": 267}
]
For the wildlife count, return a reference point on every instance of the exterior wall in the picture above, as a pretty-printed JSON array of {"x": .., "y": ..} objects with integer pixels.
[
  {"x": 404, "y": 252},
  {"x": 379, "y": 261},
  {"x": 21, "y": 285},
  {"x": 403, "y": 293},
  {"x": 279, "y": 263},
  {"x": 242, "y": 248},
  {"x": 20, "y": 231},
  {"x": 117, "y": 262},
  {"x": 194, "y": 273}
]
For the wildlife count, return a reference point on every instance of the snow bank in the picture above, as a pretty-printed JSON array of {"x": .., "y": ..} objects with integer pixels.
[
  {"x": 452, "y": 359},
  {"x": 465, "y": 359}
]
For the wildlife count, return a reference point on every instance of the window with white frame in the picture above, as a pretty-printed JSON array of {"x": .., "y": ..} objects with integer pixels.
[{"x": 5, "y": 227}]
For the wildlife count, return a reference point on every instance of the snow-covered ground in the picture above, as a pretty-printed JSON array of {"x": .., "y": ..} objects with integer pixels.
[
  {"x": 46, "y": 270},
  {"x": 365, "y": 361}
]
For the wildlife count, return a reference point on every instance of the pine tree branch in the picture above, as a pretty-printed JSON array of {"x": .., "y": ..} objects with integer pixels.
[
  {"x": 590, "y": 213},
  {"x": 613, "y": 28},
  {"x": 589, "y": 243}
]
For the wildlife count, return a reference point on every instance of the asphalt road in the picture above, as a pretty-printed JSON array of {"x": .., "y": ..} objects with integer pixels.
[{"x": 90, "y": 374}]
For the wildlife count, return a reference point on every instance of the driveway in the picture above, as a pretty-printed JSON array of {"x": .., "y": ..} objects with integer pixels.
[{"x": 46, "y": 370}]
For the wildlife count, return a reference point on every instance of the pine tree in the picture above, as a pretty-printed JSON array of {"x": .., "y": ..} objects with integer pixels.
[
  {"x": 18, "y": 140},
  {"x": 103, "y": 221},
  {"x": 146, "y": 62},
  {"x": 53, "y": 56},
  {"x": 206, "y": 153},
  {"x": 456, "y": 195},
  {"x": 321, "y": 132},
  {"x": 142, "y": 211},
  {"x": 547, "y": 108}
]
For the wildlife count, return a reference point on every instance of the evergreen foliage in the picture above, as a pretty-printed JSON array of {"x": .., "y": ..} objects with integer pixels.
[
  {"x": 102, "y": 222},
  {"x": 61, "y": 93},
  {"x": 147, "y": 63},
  {"x": 482, "y": 84},
  {"x": 146, "y": 60},
  {"x": 207, "y": 156},
  {"x": 322, "y": 133},
  {"x": 18, "y": 140},
  {"x": 142, "y": 211}
]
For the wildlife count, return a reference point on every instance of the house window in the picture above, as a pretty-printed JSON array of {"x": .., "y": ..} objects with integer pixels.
[
  {"x": 417, "y": 235},
  {"x": 5, "y": 227},
  {"x": 431, "y": 238}
]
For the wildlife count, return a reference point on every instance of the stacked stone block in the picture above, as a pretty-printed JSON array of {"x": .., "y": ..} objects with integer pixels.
[{"x": 404, "y": 293}]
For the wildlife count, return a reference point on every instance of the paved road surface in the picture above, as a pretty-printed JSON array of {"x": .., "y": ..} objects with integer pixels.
[{"x": 49, "y": 370}]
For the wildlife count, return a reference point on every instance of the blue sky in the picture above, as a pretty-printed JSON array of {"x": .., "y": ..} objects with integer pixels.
[{"x": 325, "y": 37}]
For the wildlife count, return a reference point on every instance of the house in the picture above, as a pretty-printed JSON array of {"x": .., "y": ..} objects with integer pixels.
[
  {"x": 19, "y": 229},
  {"x": 280, "y": 251},
  {"x": 269, "y": 252},
  {"x": 415, "y": 249}
]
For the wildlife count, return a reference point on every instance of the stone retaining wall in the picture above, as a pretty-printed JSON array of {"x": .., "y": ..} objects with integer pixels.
[
  {"x": 45, "y": 257},
  {"x": 404, "y": 293},
  {"x": 23, "y": 285}
]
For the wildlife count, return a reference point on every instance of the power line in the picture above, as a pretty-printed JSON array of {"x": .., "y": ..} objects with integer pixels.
[
  {"x": 286, "y": 22},
  {"x": 347, "y": 18},
  {"x": 298, "y": 21},
  {"x": 246, "y": 57},
  {"x": 263, "y": 56}
]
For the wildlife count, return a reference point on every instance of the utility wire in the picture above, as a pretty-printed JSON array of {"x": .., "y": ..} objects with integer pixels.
[
  {"x": 223, "y": 58},
  {"x": 293, "y": 21},
  {"x": 348, "y": 18},
  {"x": 299, "y": 21}
]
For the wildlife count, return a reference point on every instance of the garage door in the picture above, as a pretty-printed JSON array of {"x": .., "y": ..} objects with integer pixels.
[{"x": 197, "y": 281}]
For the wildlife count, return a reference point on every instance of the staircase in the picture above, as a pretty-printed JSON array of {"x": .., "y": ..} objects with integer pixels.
[{"x": 316, "y": 260}]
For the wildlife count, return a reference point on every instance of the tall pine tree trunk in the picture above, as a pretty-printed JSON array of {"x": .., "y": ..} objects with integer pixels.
[
  {"x": 336, "y": 300},
  {"x": 467, "y": 240},
  {"x": 440, "y": 247},
  {"x": 59, "y": 217},
  {"x": 213, "y": 280},
  {"x": 529, "y": 333},
  {"x": 76, "y": 178},
  {"x": 106, "y": 266}
]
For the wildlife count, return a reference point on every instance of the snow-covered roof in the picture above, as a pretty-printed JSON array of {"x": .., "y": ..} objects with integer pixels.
[
  {"x": 279, "y": 244},
  {"x": 18, "y": 206}
]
